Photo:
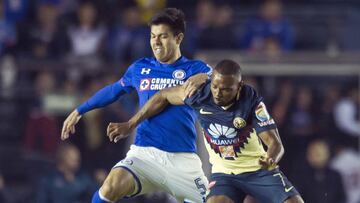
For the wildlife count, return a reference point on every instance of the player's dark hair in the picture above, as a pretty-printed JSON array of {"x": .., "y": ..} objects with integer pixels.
[
  {"x": 228, "y": 67},
  {"x": 172, "y": 17}
]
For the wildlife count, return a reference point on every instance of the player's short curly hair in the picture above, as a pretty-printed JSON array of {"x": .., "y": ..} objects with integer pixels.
[
  {"x": 172, "y": 17},
  {"x": 228, "y": 67}
]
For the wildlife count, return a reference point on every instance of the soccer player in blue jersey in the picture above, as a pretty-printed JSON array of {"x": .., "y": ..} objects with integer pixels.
[
  {"x": 235, "y": 126},
  {"x": 163, "y": 156}
]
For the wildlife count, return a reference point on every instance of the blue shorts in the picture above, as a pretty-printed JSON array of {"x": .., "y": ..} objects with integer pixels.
[{"x": 264, "y": 185}]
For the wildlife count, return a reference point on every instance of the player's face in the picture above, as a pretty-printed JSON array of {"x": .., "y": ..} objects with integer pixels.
[
  {"x": 224, "y": 88},
  {"x": 164, "y": 44}
]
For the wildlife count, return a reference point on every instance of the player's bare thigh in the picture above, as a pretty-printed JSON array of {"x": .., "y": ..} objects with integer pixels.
[
  {"x": 118, "y": 183},
  {"x": 294, "y": 199},
  {"x": 219, "y": 198}
]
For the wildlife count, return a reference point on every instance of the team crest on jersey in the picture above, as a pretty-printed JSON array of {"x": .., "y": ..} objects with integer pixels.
[
  {"x": 261, "y": 113},
  {"x": 144, "y": 84},
  {"x": 239, "y": 122},
  {"x": 179, "y": 74}
]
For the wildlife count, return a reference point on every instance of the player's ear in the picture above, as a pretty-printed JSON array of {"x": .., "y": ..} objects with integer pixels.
[
  {"x": 239, "y": 90},
  {"x": 179, "y": 38},
  {"x": 241, "y": 83}
]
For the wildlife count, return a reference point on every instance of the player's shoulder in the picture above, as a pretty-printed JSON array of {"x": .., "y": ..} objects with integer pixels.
[
  {"x": 249, "y": 91},
  {"x": 249, "y": 94},
  {"x": 143, "y": 61},
  {"x": 197, "y": 63},
  {"x": 199, "y": 66},
  {"x": 201, "y": 95}
]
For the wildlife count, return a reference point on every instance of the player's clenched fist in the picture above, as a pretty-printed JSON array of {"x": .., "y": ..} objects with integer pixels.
[
  {"x": 117, "y": 131},
  {"x": 69, "y": 124},
  {"x": 267, "y": 163},
  {"x": 193, "y": 83}
]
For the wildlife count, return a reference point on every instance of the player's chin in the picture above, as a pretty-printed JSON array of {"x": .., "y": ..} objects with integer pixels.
[
  {"x": 159, "y": 56},
  {"x": 162, "y": 57},
  {"x": 219, "y": 102}
]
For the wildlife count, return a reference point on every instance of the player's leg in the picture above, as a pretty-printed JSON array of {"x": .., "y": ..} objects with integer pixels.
[
  {"x": 129, "y": 177},
  {"x": 219, "y": 198},
  {"x": 268, "y": 186},
  {"x": 250, "y": 199},
  {"x": 223, "y": 189},
  {"x": 118, "y": 184},
  {"x": 294, "y": 199},
  {"x": 186, "y": 180}
]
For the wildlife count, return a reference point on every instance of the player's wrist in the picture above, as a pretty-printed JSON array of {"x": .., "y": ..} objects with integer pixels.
[
  {"x": 77, "y": 114},
  {"x": 132, "y": 124}
]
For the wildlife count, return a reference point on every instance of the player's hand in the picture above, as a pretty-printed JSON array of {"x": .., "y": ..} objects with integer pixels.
[
  {"x": 267, "y": 163},
  {"x": 69, "y": 124},
  {"x": 117, "y": 131},
  {"x": 193, "y": 83}
]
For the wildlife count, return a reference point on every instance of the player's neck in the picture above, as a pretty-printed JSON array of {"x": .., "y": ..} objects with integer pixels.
[
  {"x": 173, "y": 59},
  {"x": 227, "y": 106}
]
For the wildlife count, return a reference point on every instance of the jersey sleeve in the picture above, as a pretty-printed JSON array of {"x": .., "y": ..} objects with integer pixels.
[
  {"x": 261, "y": 118},
  {"x": 127, "y": 81},
  {"x": 201, "y": 94},
  {"x": 192, "y": 101},
  {"x": 202, "y": 67},
  {"x": 109, "y": 93}
]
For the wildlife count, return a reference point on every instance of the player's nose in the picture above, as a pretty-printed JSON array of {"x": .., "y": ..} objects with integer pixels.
[
  {"x": 157, "y": 41},
  {"x": 217, "y": 94}
]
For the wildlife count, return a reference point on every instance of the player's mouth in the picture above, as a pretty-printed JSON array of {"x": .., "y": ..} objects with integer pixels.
[
  {"x": 158, "y": 50},
  {"x": 217, "y": 100}
]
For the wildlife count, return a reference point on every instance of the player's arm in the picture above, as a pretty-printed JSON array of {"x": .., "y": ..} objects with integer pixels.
[
  {"x": 158, "y": 102},
  {"x": 103, "y": 97},
  {"x": 275, "y": 148},
  {"x": 152, "y": 107},
  {"x": 194, "y": 82}
]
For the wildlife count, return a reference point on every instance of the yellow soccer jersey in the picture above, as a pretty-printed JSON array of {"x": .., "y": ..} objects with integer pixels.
[{"x": 231, "y": 134}]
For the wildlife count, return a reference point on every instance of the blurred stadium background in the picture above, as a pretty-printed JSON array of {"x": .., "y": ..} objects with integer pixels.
[{"x": 302, "y": 55}]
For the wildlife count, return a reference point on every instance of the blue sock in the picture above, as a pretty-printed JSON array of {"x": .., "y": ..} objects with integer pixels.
[{"x": 98, "y": 198}]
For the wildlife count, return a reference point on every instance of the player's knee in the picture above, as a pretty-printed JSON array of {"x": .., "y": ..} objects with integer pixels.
[
  {"x": 294, "y": 199},
  {"x": 109, "y": 192},
  {"x": 219, "y": 198},
  {"x": 118, "y": 184}
]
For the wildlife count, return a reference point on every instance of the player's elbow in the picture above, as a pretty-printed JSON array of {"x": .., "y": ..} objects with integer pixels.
[
  {"x": 278, "y": 147},
  {"x": 282, "y": 150},
  {"x": 162, "y": 97}
]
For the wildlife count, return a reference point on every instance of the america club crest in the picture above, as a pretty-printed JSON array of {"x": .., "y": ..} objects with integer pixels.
[
  {"x": 239, "y": 122},
  {"x": 179, "y": 74}
]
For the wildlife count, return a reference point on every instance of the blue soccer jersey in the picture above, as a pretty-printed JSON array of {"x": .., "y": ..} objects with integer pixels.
[{"x": 172, "y": 130}]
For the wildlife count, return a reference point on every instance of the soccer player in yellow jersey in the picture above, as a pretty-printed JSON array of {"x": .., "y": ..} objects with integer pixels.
[{"x": 235, "y": 126}]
